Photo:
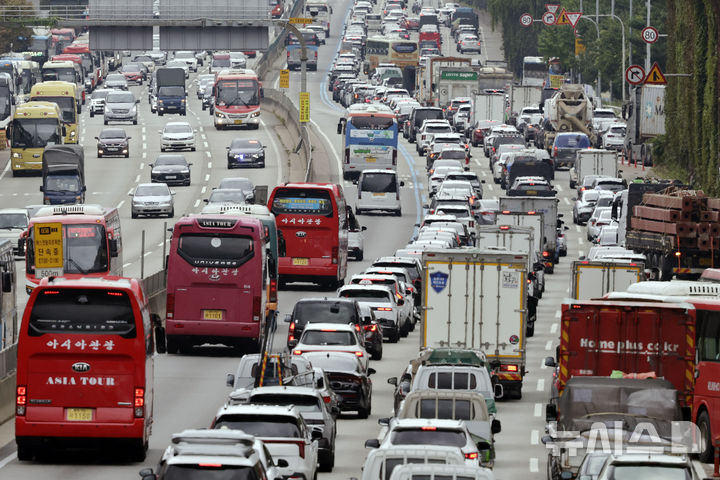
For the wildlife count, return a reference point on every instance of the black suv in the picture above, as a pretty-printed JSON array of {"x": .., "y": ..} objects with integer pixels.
[{"x": 321, "y": 310}]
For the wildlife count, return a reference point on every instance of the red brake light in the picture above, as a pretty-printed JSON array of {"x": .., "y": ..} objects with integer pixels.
[
  {"x": 473, "y": 455},
  {"x": 430, "y": 429},
  {"x": 273, "y": 291},
  {"x": 297, "y": 352},
  {"x": 20, "y": 400},
  {"x": 257, "y": 308},
  {"x": 509, "y": 368},
  {"x": 370, "y": 328},
  {"x": 115, "y": 294},
  {"x": 359, "y": 353},
  {"x": 546, "y": 253},
  {"x": 170, "y": 305},
  {"x": 51, "y": 292},
  {"x": 504, "y": 227},
  {"x": 328, "y": 330},
  {"x": 210, "y": 465},
  {"x": 326, "y": 399},
  {"x": 384, "y": 309},
  {"x": 532, "y": 212},
  {"x": 139, "y": 402}
]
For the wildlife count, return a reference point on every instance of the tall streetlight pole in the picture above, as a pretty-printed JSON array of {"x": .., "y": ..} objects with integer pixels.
[
  {"x": 622, "y": 27},
  {"x": 597, "y": 29}
]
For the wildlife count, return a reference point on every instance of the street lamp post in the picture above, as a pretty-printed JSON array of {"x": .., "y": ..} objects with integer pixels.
[{"x": 597, "y": 29}]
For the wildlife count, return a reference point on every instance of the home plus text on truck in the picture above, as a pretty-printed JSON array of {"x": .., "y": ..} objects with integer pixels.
[{"x": 477, "y": 299}]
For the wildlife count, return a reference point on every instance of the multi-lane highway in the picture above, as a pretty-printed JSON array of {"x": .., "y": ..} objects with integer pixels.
[{"x": 189, "y": 389}]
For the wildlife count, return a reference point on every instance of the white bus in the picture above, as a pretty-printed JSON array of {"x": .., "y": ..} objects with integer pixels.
[
  {"x": 320, "y": 11},
  {"x": 535, "y": 72}
]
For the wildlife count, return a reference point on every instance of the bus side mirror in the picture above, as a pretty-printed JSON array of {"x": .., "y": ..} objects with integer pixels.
[
  {"x": 211, "y": 110},
  {"x": 7, "y": 282},
  {"x": 339, "y": 127},
  {"x": 550, "y": 412},
  {"x": 64, "y": 131},
  {"x": 79, "y": 109},
  {"x": 21, "y": 246},
  {"x": 114, "y": 247},
  {"x": 282, "y": 252},
  {"x": 262, "y": 92},
  {"x": 147, "y": 474},
  {"x": 229, "y": 380}
]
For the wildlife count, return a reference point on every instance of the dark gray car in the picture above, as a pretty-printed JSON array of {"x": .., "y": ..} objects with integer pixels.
[
  {"x": 171, "y": 169},
  {"x": 113, "y": 141},
  {"x": 245, "y": 152},
  {"x": 565, "y": 146}
]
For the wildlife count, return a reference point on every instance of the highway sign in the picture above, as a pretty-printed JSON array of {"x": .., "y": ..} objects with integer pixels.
[
  {"x": 304, "y": 107},
  {"x": 655, "y": 76},
  {"x": 650, "y": 35},
  {"x": 562, "y": 18},
  {"x": 300, "y": 20},
  {"x": 526, "y": 20},
  {"x": 284, "y": 78},
  {"x": 573, "y": 17},
  {"x": 634, "y": 75},
  {"x": 48, "y": 239},
  {"x": 549, "y": 18},
  {"x": 552, "y": 7}
]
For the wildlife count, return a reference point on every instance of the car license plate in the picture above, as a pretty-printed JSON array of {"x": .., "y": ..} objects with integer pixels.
[
  {"x": 78, "y": 414},
  {"x": 301, "y": 261},
  {"x": 532, "y": 192},
  {"x": 378, "y": 194},
  {"x": 238, "y": 122},
  {"x": 370, "y": 159},
  {"x": 212, "y": 314},
  {"x": 170, "y": 177}
]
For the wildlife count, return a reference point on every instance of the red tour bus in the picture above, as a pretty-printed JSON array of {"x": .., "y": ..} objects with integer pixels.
[
  {"x": 217, "y": 277},
  {"x": 85, "y": 367},
  {"x": 237, "y": 94},
  {"x": 90, "y": 63},
  {"x": 92, "y": 242},
  {"x": 313, "y": 222}
]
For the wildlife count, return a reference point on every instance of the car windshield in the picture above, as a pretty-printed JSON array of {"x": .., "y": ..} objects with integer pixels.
[
  {"x": 572, "y": 141},
  {"x": 97, "y": 94},
  {"x": 171, "y": 161},
  {"x": 222, "y": 196},
  {"x": 152, "y": 191},
  {"x": 13, "y": 221},
  {"x": 456, "y": 154},
  {"x": 304, "y": 403},
  {"x": 261, "y": 425},
  {"x": 324, "y": 312},
  {"x": 325, "y": 337},
  {"x": 113, "y": 133},
  {"x": 132, "y": 68},
  {"x": 245, "y": 143},
  {"x": 189, "y": 55},
  {"x": 428, "y": 436},
  {"x": 656, "y": 472},
  {"x": 120, "y": 97},
  {"x": 178, "y": 128},
  {"x": 171, "y": 92},
  {"x": 365, "y": 294}
]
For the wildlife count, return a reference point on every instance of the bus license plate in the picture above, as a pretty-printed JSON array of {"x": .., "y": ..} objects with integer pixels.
[
  {"x": 237, "y": 122},
  {"x": 378, "y": 194},
  {"x": 301, "y": 261},
  {"x": 212, "y": 314},
  {"x": 78, "y": 414},
  {"x": 370, "y": 159}
]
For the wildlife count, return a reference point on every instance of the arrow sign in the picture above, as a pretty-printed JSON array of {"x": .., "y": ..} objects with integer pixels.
[
  {"x": 548, "y": 18},
  {"x": 526, "y": 19},
  {"x": 562, "y": 18},
  {"x": 634, "y": 75},
  {"x": 573, "y": 17},
  {"x": 650, "y": 34},
  {"x": 655, "y": 76},
  {"x": 552, "y": 7}
]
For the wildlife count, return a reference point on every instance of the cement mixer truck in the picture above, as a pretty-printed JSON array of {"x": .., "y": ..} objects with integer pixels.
[{"x": 569, "y": 110}]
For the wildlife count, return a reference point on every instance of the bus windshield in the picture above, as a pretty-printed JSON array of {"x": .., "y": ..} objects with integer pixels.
[
  {"x": 213, "y": 250},
  {"x": 370, "y": 122},
  {"x": 237, "y": 93},
  {"x": 66, "y": 104},
  {"x": 82, "y": 311},
  {"x": 313, "y": 202},
  {"x": 65, "y": 74},
  {"x": 34, "y": 132}
]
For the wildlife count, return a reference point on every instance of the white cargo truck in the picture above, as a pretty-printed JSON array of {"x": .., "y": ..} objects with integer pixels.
[
  {"x": 592, "y": 161},
  {"x": 488, "y": 106},
  {"x": 593, "y": 279},
  {"x": 644, "y": 113},
  {"x": 548, "y": 207},
  {"x": 523, "y": 96},
  {"x": 477, "y": 299}
]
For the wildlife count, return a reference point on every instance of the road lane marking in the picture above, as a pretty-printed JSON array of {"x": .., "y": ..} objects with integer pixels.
[
  {"x": 205, "y": 144},
  {"x": 7, "y": 459},
  {"x": 160, "y": 244},
  {"x": 542, "y": 364},
  {"x": 119, "y": 205},
  {"x": 577, "y": 228},
  {"x": 197, "y": 202},
  {"x": 553, "y": 328},
  {"x": 558, "y": 188},
  {"x": 137, "y": 178},
  {"x": 203, "y": 190},
  {"x": 208, "y": 154},
  {"x": 567, "y": 200},
  {"x": 548, "y": 345},
  {"x": 127, "y": 265},
  {"x": 540, "y": 384},
  {"x": 533, "y": 461},
  {"x": 581, "y": 241},
  {"x": 535, "y": 436},
  {"x": 538, "y": 409},
  {"x": 557, "y": 314},
  {"x": 7, "y": 168},
  {"x": 142, "y": 165},
  {"x": 207, "y": 177},
  {"x": 146, "y": 254},
  {"x": 130, "y": 191},
  {"x": 144, "y": 155}
]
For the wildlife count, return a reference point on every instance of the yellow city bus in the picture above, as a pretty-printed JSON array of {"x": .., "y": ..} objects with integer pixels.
[
  {"x": 403, "y": 53},
  {"x": 34, "y": 125},
  {"x": 65, "y": 95}
]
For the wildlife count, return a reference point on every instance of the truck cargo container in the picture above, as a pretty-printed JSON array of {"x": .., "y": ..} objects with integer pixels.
[
  {"x": 590, "y": 279},
  {"x": 644, "y": 113},
  {"x": 548, "y": 207},
  {"x": 477, "y": 299},
  {"x": 592, "y": 161}
]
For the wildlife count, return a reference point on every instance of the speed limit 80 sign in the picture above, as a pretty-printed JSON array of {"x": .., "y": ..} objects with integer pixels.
[
  {"x": 650, "y": 35},
  {"x": 526, "y": 20}
]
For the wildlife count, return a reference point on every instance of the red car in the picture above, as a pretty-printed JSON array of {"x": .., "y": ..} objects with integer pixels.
[
  {"x": 430, "y": 33},
  {"x": 133, "y": 73},
  {"x": 278, "y": 10}
]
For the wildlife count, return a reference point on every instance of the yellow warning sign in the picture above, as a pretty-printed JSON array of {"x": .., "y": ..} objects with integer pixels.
[
  {"x": 563, "y": 18},
  {"x": 579, "y": 46},
  {"x": 48, "y": 249},
  {"x": 655, "y": 76},
  {"x": 284, "y": 78},
  {"x": 304, "y": 107}
]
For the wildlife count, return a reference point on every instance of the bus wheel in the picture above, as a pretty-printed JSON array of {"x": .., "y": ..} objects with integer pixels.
[
  {"x": 173, "y": 345},
  {"x": 138, "y": 452},
  {"x": 24, "y": 453}
]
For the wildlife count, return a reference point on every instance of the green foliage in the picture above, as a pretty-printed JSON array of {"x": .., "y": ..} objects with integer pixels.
[
  {"x": 518, "y": 41},
  {"x": 10, "y": 35}
]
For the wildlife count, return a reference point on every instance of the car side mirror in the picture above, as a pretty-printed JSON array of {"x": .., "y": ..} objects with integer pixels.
[
  {"x": 206, "y": 200},
  {"x": 372, "y": 443},
  {"x": 160, "y": 132},
  {"x": 483, "y": 445},
  {"x": 160, "y": 339},
  {"x": 400, "y": 302},
  {"x": 550, "y": 362},
  {"x": 499, "y": 390},
  {"x": 96, "y": 138},
  {"x": 288, "y": 318},
  {"x": 316, "y": 434},
  {"x": 495, "y": 426},
  {"x": 292, "y": 343},
  {"x": 147, "y": 474},
  {"x": 550, "y": 412},
  {"x": 363, "y": 228},
  {"x": 229, "y": 380},
  {"x": 384, "y": 421},
  {"x": 42, "y": 188},
  {"x": 371, "y": 371},
  {"x": 172, "y": 192},
  {"x": 566, "y": 228},
  {"x": 282, "y": 463},
  {"x": 392, "y": 381},
  {"x": 402, "y": 183}
]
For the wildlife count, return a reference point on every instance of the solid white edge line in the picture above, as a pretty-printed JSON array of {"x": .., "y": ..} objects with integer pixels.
[{"x": 8, "y": 459}]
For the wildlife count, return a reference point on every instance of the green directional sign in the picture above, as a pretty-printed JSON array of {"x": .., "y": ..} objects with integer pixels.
[{"x": 458, "y": 75}]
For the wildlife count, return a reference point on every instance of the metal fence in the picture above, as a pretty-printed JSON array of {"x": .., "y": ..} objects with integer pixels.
[
  {"x": 8, "y": 361},
  {"x": 155, "y": 284}
]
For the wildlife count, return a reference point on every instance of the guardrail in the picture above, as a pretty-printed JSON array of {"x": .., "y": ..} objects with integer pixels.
[
  {"x": 120, "y": 11},
  {"x": 155, "y": 284},
  {"x": 284, "y": 108},
  {"x": 8, "y": 361}
]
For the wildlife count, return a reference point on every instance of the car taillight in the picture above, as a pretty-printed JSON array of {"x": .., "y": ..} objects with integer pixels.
[
  {"x": 297, "y": 352},
  {"x": 139, "y": 402},
  {"x": 358, "y": 353},
  {"x": 555, "y": 151},
  {"x": 473, "y": 455},
  {"x": 291, "y": 331},
  {"x": 334, "y": 255},
  {"x": 384, "y": 309},
  {"x": 170, "y": 305},
  {"x": 508, "y": 368},
  {"x": 478, "y": 43},
  {"x": 20, "y": 400},
  {"x": 326, "y": 398},
  {"x": 273, "y": 290},
  {"x": 257, "y": 305},
  {"x": 546, "y": 254},
  {"x": 370, "y": 328}
]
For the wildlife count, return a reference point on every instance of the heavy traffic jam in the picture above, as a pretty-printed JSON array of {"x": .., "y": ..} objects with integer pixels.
[{"x": 492, "y": 258}]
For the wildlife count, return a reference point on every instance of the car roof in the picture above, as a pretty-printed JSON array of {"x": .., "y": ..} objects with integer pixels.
[
  {"x": 426, "y": 422},
  {"x": 340, "y": 327}
]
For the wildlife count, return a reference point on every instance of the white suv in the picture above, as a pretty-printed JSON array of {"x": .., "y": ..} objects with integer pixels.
[
  {"x": 428, "y": 130},
  {"x": 283, "y": 430}
]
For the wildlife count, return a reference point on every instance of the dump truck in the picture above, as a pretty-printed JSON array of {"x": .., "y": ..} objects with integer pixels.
[
  {"x": 548, "y": 207},
  {"x": 678, "y": 230},
  {"x": 477, "y": 299},
  {"x": 591, "y": 161},
  {"x": 569, "y": 110},
  {"x": 593, "y": 279},
  {"x": 63, "y": 175},
  {"x": 645, "y": 117}
]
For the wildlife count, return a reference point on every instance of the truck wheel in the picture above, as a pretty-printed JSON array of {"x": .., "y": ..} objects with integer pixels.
[
  {"x": 395, "y": 338},
  {"x": 359, "y": 256},
  {"x": 706, "y": 446},
  {"x": 92, "y": 114}
]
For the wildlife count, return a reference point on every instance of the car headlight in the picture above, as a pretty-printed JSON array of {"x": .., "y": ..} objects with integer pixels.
[
  {"x": 73, "y": 133},
  {"x": 17, "y": 155},
  {"x": 255, "y": 114},
  {"x": 160, "y": 101},
  {"x": 133, "y": 110},
  {"x": 220, "y": 114},
  {"x": 182, "y": 101},
  {"x": 187, "y": 170}
]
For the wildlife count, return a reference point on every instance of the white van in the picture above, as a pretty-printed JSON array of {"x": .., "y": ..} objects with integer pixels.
[{"x": 379, "y": 190}]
